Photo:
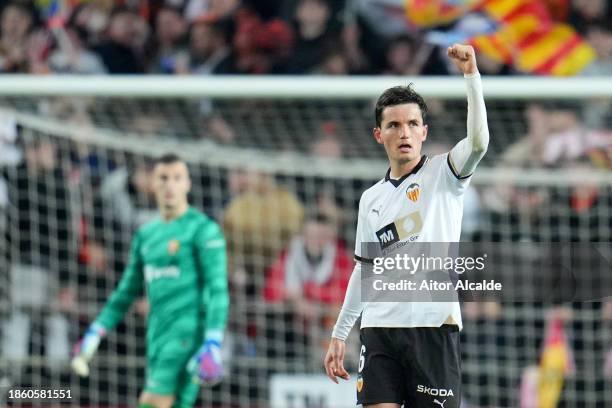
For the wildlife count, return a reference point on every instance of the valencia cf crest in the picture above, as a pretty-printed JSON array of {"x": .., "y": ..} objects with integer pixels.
[
  {"x": 413, "y": 192},
  {"x": 173, "y": 246},
  {"x": 359, "y": 384}
]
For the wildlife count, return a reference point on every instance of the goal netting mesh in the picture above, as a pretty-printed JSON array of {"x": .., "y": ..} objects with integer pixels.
[{"x": 75, "y": 184}]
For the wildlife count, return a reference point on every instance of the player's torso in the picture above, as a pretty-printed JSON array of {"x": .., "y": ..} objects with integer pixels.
[
  {"x": 169, "y": 265},
  {"x": 419, "y": 208}
]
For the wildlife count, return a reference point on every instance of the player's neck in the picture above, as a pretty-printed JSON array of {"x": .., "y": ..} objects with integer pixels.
[
  {"x": 399, "y": 169},
  {"x": 170, "y": 214}
]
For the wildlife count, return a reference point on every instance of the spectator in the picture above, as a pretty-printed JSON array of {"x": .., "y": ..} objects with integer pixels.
[
  {"x": 528, "y": 150},
  {"x": 333, "y": 63},
  {"x": 257, "y": 223},
  {"x": 329, "y": 144},
  {"x": 209, "y": 48},
  {"x": 170, "y": 34},
  {"x": 580, "y": 213},
  {"x": 570, "y": 139},
  {"x": 15, "y": 26},
  {"x": 90, "y": 20},
  {"x": 128, "y": 196},
  {"x": 71, "y": 56},
  {"x": 312, "y": 274},
  {"x": 364, "y": 33},
  {"x": 599, "y": 36},
  {"x": 507, "y": 200},
  {"x": 260, "y": 45},
  {"x": 584, "y": 12},
  {"x": 118, "y": 49},
  {"x": 220, "y": 9},
  {"x": 410, "y": 56},
  {"x": 314, "y": 269},
  {"x": 10, "y": 155},
  {"x": 313, "y": 36},
  {"x": 41, "y": 248}
]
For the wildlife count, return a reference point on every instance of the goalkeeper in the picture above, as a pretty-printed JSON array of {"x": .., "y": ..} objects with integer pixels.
[{"x": 180, "y": 260}]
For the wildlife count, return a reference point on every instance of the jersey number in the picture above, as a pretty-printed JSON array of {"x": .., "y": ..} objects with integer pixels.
[{"x": 362, "y": 358}]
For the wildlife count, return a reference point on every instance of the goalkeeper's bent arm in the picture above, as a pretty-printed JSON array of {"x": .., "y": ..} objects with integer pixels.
[{"x": 130, "y": 287}]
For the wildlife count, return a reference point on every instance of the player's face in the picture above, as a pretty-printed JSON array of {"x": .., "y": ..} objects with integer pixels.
[
  {"x": 402, "y": 132},
  {"x": 171, "y": 184}
]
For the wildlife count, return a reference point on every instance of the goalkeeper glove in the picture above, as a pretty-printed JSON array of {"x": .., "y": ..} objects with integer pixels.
[
  {"x": 85, "y": 349},
  {"x": 206, "y": 366}
]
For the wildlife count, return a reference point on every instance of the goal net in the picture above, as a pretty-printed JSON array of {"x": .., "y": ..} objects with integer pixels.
[{"x": 281, "y": 165}]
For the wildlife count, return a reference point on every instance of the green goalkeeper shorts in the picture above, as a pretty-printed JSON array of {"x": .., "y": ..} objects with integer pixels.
[{"x": 167, "y": 372}]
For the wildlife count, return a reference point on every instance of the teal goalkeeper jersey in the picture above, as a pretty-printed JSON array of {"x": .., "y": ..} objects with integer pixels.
[{"x": 182, "y": 266}]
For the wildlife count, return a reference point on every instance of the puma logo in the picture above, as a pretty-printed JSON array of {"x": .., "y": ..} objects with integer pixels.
[
  {"x": 439, "y": 403},
  {"x": 374, "y": 210}
]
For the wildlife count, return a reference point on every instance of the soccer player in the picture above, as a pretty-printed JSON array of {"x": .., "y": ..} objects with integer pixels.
[
  {"x": 410, "y": 351},
  {"x": 179, "y": 259}
]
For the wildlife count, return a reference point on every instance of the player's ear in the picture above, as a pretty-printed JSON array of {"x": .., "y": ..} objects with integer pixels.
[
  {"x": 425, "y": 130},
  {"x": 377, "y": 135}
]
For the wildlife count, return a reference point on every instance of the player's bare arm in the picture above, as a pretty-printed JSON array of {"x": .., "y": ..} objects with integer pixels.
[{"x": 334, "y": 360}]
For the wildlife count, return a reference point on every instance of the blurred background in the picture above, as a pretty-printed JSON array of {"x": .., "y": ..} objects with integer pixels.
[{"x": 282, "y": 170}]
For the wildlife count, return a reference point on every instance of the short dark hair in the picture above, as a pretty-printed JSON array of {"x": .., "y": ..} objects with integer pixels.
[
  {"x": 168, "y": 158},
  {"x": 399, "y": 95}
]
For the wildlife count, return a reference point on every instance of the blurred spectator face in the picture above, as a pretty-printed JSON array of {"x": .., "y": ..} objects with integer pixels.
[
  {"x": 334, "y": 64},
  {"x": 41, "y": 155},
  {"x": 590, "y": 8},
  {"x": 97, "y": 260},
  {"x": 327, "y": 146},
  {"x": 400, "y": 55},
  {"x": 601, "y": 40},
  {"x": 15, "y": 22},
  {"x": 318, "y": 234},
  {"x": 170, "y": 26},
  {"x": 91, "y": 20},
  {"x": 223, "y": 7},
  {"x": 47, "y": 155},
  {"x": 74, "y": 38},
  {"x": 312, "y": 16},
  {"x": 121, "y": 28},
  {"x": 537, "y": 120},
  {"x": 563, "y": 120},
  {"x": 204, "y": 40},
  {"x": 142, "y": 180},
  {"x": 489, "y": 65}
]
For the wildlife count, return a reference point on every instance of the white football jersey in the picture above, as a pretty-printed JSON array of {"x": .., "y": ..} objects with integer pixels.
[{"x": 425, "y": 205}]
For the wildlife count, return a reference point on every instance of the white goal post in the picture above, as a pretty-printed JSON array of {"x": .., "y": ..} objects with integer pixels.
[{"x": 296, "y": 87}]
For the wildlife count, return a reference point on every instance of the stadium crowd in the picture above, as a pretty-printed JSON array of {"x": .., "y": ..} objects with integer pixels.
[{"x": 328, "y": 37}]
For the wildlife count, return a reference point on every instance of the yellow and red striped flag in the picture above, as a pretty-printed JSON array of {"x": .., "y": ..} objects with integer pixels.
[
  {"x": 428, "y": 13},
  {"x": 526, "y": 36},
  {"x": 555, "y": 363}
]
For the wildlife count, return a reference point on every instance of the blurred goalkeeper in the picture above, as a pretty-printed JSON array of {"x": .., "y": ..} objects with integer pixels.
[{"x": 180, "y": 259}]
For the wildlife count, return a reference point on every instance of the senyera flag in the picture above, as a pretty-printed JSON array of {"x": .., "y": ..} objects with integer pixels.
[
  {"x": 555, "y": 363},
  {"x": 525, "y": 35}
]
